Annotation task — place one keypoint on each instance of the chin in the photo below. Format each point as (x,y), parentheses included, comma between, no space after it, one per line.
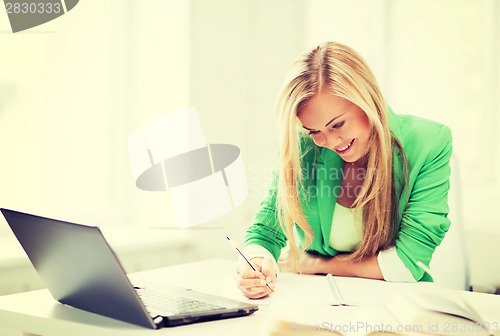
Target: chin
(357,158)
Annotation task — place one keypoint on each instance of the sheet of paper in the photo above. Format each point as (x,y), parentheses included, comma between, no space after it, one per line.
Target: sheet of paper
(360,291)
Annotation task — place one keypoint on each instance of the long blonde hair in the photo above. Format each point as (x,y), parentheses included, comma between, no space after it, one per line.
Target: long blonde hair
(340,70)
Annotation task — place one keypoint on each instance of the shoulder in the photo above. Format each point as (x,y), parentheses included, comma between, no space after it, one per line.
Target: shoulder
(421,130)
(423,139)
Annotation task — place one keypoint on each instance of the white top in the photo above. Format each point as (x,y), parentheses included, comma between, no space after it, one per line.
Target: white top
(347,229)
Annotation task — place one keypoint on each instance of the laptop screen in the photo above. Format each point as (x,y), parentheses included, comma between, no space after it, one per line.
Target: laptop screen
(78,266)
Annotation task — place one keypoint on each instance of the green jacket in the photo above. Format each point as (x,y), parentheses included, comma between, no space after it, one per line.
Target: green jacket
(422,219)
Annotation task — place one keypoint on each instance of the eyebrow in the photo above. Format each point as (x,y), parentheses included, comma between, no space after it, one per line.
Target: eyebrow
(326,125)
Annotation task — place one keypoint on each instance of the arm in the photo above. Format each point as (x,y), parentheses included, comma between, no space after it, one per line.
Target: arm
(310,264)
(367,268)
(424,222)
(263,244)
(266,231)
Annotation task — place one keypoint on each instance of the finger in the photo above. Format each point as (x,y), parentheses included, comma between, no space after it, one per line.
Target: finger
(249,274)
(248,283)
(269,269)
(257,263)
(244,283)
(252,290)
(255,295)
(244,267)
(256,292)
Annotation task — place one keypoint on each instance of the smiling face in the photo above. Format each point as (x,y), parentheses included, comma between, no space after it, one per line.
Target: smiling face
(337,124)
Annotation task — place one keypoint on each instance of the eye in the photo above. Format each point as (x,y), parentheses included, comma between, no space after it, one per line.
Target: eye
(313,132)
(338,125)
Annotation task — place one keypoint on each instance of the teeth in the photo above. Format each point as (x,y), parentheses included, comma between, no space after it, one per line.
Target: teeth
(344,148)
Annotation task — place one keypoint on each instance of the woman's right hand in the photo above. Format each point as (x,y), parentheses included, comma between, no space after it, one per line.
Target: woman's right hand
(253,283)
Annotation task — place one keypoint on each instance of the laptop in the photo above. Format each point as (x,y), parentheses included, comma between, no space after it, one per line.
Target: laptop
(81,270)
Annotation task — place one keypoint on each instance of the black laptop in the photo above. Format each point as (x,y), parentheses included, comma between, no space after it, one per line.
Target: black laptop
(81,270)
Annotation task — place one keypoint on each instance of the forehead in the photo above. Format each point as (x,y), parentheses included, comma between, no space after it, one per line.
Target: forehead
(321,108)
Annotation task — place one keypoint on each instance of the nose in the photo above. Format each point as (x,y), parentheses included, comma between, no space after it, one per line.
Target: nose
(331,141)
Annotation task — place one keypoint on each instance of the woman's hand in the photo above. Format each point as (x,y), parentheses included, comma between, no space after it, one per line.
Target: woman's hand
(253,283)
(307,264)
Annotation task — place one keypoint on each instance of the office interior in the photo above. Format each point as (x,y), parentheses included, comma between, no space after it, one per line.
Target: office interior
(74,89)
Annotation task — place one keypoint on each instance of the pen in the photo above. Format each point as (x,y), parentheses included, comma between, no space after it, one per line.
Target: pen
(243,256)
(335,290)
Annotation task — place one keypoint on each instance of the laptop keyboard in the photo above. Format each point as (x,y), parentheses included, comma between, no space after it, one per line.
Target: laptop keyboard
(159,303)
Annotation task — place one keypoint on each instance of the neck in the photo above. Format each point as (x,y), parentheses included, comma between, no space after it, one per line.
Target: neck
(361,163)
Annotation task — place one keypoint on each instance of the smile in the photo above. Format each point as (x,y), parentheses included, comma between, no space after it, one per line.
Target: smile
(344,149)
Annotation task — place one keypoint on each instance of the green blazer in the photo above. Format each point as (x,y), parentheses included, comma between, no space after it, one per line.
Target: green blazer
(422,217)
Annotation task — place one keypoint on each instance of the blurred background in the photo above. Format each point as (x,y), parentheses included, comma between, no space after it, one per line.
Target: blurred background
(73,90)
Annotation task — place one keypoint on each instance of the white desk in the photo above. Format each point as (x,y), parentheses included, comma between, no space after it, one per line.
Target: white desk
(37,313)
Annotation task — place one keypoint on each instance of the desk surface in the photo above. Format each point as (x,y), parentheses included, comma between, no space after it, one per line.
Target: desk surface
(296,297)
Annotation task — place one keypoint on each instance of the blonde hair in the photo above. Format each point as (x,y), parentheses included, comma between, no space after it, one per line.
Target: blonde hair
(340,70)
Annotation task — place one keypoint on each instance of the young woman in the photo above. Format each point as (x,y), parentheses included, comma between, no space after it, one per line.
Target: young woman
(359,191)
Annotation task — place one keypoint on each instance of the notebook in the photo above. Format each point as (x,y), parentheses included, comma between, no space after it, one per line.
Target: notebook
(81,270)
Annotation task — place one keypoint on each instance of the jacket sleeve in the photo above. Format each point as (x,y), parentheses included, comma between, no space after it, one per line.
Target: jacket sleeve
(424,222)
(266,230)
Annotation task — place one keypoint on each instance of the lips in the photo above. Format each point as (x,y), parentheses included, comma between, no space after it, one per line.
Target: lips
(344,149)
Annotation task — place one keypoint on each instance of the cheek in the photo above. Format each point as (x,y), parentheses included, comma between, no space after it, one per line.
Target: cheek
(363,130)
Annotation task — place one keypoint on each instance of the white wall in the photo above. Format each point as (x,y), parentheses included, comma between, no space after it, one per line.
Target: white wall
(73,90)
(76,88)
